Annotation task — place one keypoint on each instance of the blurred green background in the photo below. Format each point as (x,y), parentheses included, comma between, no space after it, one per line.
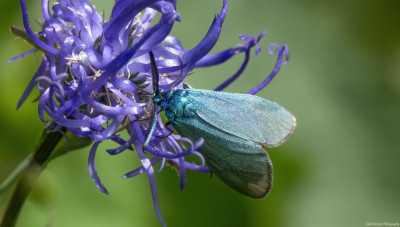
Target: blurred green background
(340,168)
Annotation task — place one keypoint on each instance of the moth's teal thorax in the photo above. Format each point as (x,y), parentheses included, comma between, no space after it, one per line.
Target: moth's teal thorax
(176,104)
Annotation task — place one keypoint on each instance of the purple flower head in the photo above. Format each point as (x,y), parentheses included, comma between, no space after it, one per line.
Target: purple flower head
(95,76)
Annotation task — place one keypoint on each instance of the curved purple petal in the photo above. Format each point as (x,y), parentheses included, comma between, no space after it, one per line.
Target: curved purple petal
(146,19)
(32,35)
(41,71)
(182,170)
(121,148)
(283,51)
(93,171)
(110,130)
(45,10)
(141,170)
(124,57)
(215,59)
(122,13)
(236,75)
(208,42)
(218,58)
(16,58)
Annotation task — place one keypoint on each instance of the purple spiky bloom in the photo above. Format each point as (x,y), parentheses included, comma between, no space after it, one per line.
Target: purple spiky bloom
(94,76)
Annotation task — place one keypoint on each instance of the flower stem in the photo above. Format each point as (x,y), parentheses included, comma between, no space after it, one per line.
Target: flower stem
(29,176)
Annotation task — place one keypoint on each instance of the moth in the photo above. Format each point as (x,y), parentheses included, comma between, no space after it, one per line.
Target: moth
(235,128)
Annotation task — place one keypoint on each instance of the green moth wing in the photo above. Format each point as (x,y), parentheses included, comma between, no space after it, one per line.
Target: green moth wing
(234,128)
(246,116)
(241,164)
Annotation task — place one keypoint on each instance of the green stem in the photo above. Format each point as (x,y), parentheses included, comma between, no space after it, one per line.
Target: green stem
(29,176)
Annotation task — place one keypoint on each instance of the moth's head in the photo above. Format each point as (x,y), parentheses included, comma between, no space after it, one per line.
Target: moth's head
(161,99)
(158,98)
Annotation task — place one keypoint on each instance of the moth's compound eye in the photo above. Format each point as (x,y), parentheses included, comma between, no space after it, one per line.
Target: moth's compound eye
(157,99)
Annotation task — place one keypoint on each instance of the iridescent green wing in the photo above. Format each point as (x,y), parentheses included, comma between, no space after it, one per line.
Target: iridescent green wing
(246,116)
(241,164)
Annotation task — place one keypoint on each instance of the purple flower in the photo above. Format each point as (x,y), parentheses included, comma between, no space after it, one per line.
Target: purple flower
(95,76)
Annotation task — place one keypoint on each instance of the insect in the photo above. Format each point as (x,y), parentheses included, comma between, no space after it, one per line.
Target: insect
(235,127)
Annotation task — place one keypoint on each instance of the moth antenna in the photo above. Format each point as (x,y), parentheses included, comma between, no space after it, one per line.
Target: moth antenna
(155,77)
(154,73)
(153,124)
